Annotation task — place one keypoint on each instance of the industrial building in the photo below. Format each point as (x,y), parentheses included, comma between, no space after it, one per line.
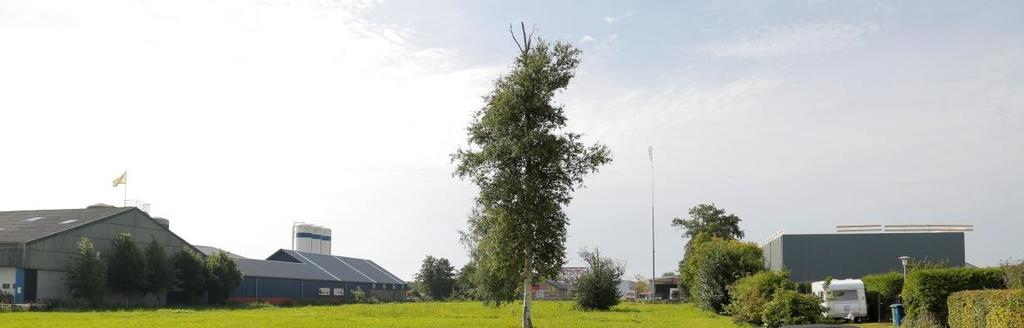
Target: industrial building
(854,253)
(35,246)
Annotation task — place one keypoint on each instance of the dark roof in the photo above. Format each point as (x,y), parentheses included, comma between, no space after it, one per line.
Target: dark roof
(312,266)
(26,226)
(210,251)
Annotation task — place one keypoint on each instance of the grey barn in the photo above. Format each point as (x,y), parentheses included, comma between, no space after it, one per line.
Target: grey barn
(814,257)
(289,276)
(35,246)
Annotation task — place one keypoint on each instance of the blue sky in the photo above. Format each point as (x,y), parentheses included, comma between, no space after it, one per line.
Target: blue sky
(244,116)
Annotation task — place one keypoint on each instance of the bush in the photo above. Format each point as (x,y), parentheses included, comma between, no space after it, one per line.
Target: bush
(986,309)
(359,296)
(598,287)
(789,307)
(751,294)
(927,290)
(1013,274)
(715,264)
(882,290)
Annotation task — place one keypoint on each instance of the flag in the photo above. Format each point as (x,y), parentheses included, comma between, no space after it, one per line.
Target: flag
(123,179)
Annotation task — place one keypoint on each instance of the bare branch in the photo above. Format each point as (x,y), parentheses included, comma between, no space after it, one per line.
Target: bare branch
(514,38)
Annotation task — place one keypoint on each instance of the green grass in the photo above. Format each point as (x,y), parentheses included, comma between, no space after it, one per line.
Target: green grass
(433,315)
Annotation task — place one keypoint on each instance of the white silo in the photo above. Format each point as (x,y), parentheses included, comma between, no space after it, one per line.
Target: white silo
(325,241)
(312,239)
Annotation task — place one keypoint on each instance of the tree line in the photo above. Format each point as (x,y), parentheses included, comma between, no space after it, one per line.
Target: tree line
(128,271)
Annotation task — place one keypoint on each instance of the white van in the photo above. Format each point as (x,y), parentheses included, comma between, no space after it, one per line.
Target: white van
(845,299)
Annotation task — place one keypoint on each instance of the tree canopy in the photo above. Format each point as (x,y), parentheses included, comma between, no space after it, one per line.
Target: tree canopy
(711,221)
(436,278)
(126,267)
(223,277)
(87,274)
(526,166)
(159,273)
(190,273)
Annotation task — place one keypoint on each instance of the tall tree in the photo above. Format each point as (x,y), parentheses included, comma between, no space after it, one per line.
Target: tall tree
(159,273)
(87,274)
(711,221)
(526,165)
(465,286)
(126,267)
(436,277)
(223,277)
(190,273)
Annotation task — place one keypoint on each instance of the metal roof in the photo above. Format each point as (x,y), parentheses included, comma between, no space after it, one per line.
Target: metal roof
(26,226)
(312,266)
(210,251)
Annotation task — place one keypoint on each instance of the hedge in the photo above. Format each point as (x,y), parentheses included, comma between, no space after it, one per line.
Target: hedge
(986,309)
(715,263)
(751,294)
(882,290)
(927,290)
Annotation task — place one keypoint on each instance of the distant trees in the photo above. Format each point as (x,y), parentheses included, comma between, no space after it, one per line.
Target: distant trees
(436,278)
(222,278)
(190,274)
(465,288)
(87,274)
(159,275)
(641,284)
(126,267)
(128,271)
(599,286)
(526,165)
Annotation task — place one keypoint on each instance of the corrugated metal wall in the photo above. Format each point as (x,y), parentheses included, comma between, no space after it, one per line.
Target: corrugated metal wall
(52,253)
(10,255)
(295,289)
(814,257)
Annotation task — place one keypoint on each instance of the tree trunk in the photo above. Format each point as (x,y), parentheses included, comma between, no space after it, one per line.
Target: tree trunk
(528,294)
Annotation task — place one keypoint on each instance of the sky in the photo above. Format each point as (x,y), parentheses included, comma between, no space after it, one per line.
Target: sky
(236,118)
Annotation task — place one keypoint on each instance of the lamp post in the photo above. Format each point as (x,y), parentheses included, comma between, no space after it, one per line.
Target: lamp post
(904,260)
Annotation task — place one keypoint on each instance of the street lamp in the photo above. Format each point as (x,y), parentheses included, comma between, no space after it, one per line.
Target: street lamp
(904,260)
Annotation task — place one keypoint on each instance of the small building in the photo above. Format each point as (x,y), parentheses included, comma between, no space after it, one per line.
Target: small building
(813,257)
(667,288)
(36,245)
(289,276)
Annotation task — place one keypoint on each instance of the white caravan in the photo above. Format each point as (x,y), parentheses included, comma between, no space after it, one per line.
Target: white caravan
(845,299)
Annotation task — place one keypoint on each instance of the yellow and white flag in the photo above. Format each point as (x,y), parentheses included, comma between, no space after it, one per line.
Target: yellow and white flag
(123,179)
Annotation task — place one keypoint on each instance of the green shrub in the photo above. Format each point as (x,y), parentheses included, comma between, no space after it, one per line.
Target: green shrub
(713,265)
(927,290)
(882,290)
(986,309)
(751,294)
(598,287)
(1013,274)
(789,307)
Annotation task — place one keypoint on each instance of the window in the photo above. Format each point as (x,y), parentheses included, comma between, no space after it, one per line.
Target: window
(374,286)
(68,221)
(7,286)
(844,295)
(34,219)
(339,292)
(325,291)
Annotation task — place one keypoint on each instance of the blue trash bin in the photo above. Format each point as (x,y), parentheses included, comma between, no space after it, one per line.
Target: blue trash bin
(897,314)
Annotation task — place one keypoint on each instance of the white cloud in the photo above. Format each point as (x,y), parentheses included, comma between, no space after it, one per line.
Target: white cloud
(615,19)
(792,39)
(586,38)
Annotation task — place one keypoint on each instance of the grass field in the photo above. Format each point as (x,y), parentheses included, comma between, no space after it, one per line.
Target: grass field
(433,315)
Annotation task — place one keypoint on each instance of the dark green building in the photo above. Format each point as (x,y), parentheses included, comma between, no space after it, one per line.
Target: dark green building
(854,255)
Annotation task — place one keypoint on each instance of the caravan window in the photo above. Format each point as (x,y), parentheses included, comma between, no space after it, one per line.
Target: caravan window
(844,295)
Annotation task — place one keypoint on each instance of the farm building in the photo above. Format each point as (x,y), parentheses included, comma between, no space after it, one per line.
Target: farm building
(813,257)
(667,288)
(293,276)
(35,246)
